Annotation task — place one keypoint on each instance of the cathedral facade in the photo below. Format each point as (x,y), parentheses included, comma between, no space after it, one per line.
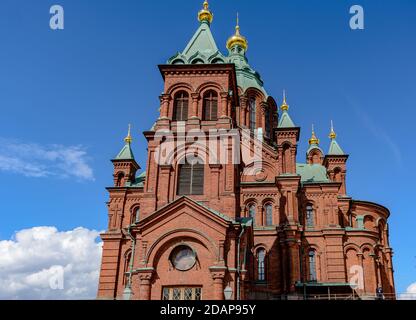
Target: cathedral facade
(223,210)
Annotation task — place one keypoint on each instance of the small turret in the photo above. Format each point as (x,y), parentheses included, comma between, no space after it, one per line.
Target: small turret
(125,167)
(314,155)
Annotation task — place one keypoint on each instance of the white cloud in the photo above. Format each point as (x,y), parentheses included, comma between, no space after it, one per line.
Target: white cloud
(34,160)
(44,263)
(410,293)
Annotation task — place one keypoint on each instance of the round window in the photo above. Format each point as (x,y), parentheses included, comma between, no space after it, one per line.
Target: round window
(183,258)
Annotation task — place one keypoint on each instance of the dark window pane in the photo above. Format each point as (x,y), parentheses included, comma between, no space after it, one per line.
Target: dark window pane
(210,106)
(261,254)
(269,215)
(191,179)
(180,105)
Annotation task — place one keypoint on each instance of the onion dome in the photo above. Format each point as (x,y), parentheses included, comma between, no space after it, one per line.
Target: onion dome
(313,140)
(237,39)
(205,15)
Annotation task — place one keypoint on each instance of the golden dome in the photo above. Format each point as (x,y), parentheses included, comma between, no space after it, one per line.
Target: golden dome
(284,106)
(332,135)
(205,14)
(128,139)
(237,39)
(313,139)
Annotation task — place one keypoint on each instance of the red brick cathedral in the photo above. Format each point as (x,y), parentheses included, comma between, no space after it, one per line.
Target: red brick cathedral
(223,209)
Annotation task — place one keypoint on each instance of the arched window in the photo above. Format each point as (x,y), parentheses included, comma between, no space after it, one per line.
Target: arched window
(310,223)
(268,209)
(267,121)
(286,158)
(252,106)
(127,261)
(261,272)
(137,215)
(337,175)
(252,212)
(180,106)
(120,179)
(312,265)
(191,178)
(210,106)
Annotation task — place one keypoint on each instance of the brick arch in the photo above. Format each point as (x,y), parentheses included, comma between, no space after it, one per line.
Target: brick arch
(372,219)
(210,85)
(257,93)
(250,201)
(156,249)
(352,246)
(178,87)
(368,246)
(268,200)
(250,169)
(260,246)
(176,155)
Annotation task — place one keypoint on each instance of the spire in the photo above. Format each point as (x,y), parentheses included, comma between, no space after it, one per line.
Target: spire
(284,105)
(205,15)
(237,39)
(128,139)
(334,148)
(313,140)
(332,135)
(126,153)
(285,120)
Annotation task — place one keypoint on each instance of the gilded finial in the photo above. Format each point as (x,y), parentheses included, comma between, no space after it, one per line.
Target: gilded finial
(128,139)
(284,105)
(332,135)
(313,139)
(237,38)
(205,14)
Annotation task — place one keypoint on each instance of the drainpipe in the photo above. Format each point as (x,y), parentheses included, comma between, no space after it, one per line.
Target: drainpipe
(238,261)
(127,290)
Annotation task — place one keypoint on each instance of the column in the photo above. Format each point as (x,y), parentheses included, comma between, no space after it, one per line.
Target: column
(284,265)
(145,276)
(215,177)
(194,109)
(218,274)
(243,115)
(164,107)
(224,104)
(164,183)
(294,264)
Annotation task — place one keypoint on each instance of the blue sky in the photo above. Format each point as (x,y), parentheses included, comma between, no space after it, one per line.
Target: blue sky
(67,96)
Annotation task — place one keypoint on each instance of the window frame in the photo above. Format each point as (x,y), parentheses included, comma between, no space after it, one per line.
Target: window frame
(268,215)
(183,98)
(261,264)
(200,167)
(210,102)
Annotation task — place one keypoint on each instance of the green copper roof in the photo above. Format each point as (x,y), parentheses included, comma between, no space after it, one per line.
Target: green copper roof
(246,76)
(200,49)
(285,121)
(126,153)
(203,49)
(335,149)
(139,182)
(311,173)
